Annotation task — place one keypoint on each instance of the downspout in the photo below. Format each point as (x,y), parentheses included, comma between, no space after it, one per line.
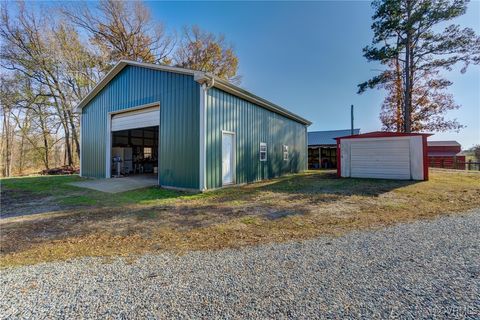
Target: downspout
(210,84)
(205,84)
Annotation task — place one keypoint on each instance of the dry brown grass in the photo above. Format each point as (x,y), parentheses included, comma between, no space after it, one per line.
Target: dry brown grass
(290,208)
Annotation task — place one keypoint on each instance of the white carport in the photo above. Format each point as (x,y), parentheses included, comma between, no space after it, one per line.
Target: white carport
(383,155)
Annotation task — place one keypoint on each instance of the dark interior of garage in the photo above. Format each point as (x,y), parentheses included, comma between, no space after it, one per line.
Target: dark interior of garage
(135,151)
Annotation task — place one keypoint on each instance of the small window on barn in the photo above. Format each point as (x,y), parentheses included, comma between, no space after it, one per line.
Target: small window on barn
(285,152)
(263,151)
(147,152)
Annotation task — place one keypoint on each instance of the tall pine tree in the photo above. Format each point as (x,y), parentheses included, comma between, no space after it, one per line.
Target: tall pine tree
(406,41)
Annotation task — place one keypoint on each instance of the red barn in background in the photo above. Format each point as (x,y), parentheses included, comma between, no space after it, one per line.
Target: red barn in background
(445,154)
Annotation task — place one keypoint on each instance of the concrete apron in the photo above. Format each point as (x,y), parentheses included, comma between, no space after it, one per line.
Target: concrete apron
(116,185)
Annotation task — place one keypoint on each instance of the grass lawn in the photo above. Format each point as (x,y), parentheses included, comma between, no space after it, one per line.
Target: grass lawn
(60,221)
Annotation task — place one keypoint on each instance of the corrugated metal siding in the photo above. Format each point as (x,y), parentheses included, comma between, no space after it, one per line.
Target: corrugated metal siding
(316,138)
(449,162)
(384,157)
(252,125)
(178,95)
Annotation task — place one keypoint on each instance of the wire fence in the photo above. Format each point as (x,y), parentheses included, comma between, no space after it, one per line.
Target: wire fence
(455,164)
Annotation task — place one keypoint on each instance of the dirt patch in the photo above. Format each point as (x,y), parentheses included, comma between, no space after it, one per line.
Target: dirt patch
(21,202)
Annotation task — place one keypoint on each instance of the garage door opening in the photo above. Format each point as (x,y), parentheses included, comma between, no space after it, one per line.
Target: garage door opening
(135,152)
(134,143)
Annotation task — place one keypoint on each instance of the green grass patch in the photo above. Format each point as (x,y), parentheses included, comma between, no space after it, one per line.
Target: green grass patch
(250,220)
(41,184)
(150,196)
(81,200)
(147,215)
(61,192)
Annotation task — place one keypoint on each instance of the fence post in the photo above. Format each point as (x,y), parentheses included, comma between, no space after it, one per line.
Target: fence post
(469,164)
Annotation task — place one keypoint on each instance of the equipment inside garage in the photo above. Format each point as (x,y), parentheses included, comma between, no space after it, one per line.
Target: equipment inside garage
(134,146)
(383,155)
(135,151)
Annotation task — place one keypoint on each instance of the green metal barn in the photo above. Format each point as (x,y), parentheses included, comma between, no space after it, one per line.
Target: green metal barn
(188,128)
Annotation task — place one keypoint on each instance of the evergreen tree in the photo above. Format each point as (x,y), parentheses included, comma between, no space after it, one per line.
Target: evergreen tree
(404,31)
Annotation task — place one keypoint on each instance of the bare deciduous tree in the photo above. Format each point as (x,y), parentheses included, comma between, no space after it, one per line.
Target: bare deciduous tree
(123,30)
(200,50)
(28,50)
(429,106)
(49,63)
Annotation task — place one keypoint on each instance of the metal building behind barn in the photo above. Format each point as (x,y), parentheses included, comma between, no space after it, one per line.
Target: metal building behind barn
(191,129)
(322,147)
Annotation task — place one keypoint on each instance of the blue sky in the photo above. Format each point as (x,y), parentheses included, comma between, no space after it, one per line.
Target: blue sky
(307,57)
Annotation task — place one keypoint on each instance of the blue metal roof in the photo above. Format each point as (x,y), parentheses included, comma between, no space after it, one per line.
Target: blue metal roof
(316,138)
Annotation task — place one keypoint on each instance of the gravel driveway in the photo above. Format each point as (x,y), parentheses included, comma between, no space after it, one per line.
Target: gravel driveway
(427,269)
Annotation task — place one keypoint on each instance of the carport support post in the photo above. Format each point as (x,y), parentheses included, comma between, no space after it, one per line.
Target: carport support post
(319,158)
(339,158)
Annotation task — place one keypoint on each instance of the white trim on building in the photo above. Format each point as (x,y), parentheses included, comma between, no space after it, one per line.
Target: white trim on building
(200,77)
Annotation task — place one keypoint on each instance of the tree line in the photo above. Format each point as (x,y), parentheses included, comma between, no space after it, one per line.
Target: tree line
(52,56)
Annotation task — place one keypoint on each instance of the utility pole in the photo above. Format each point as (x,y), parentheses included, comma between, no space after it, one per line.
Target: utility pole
(351,119)
(408,72)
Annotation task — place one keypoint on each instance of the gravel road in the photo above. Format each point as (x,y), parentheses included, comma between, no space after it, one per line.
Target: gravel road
(426,269)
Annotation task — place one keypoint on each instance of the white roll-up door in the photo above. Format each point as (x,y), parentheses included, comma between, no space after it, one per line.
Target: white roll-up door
(141,118)
(380,158)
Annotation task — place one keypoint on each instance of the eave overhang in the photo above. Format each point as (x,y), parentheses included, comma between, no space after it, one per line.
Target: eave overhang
(200,77)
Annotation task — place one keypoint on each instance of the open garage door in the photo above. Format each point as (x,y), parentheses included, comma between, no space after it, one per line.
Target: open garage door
(384,159)
(141,118)
(133,142)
